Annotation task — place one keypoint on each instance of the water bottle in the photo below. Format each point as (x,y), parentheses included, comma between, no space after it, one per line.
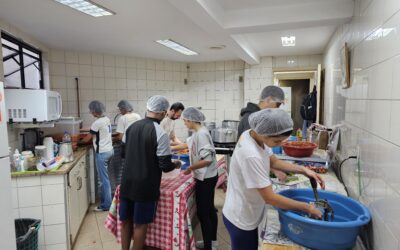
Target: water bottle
(66,137)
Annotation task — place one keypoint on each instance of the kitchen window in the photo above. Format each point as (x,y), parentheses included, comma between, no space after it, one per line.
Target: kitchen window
(22,64)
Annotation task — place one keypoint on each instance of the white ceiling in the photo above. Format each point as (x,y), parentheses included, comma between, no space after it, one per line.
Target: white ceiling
(249,29)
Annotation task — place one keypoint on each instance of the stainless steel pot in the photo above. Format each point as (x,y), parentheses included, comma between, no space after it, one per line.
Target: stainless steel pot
(210,126)
(224,135)
(230,124)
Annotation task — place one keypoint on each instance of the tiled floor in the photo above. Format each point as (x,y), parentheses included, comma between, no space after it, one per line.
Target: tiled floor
(94,236)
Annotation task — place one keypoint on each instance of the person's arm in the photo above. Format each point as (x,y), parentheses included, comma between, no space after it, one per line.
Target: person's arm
(197,165)
(280,201)
(289,167)
(164,155)
(180,147)
(119,136)
(86,139)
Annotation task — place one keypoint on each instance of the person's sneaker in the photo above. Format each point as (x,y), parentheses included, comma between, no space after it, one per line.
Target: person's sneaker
(200,244)
(99,209)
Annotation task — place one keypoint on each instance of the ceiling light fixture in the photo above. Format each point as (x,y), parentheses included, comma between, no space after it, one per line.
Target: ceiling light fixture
(177,47)
(288,41)
(87,7)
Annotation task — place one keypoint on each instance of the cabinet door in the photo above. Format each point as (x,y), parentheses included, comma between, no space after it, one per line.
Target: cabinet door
(73,199)
(82,192)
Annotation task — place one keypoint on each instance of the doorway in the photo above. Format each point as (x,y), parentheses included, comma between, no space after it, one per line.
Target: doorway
(299,89)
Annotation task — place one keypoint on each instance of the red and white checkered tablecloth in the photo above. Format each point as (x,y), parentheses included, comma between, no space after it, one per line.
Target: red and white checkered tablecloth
(172,226)
(168,231)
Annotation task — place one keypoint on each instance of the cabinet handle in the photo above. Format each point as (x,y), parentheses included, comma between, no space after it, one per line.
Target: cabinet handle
(79,179)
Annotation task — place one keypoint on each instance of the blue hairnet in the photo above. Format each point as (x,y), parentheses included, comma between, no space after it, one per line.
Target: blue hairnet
(193,114)
(97,107)
(271,122)
(125,105)
(157,104)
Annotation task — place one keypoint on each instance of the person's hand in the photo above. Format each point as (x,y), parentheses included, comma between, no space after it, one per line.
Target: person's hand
(187,171)
(317,177)
(313,212)
(280,175)
(178,164)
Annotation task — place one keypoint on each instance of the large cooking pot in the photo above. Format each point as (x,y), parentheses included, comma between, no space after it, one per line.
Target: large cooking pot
(210,126)
(224,135)
(230,124)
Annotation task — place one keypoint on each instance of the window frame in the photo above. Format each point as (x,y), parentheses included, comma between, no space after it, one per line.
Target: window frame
(20,53)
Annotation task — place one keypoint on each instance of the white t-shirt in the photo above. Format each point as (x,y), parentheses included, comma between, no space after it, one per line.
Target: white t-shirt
(249,170)
(169,127)
(101,130)
(125,121)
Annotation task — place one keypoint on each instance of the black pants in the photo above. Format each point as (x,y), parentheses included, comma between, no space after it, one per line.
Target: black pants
(206,212)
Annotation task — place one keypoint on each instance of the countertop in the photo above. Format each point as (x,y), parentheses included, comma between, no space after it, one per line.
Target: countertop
(63,169)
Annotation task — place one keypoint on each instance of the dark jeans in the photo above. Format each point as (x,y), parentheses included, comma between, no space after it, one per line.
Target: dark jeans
(205,192)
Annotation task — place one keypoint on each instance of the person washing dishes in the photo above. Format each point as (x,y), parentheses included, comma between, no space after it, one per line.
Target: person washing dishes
(204,168)
(168,123)
(102,143)
(271,97)
(141,178)
(127,118)
(249,184)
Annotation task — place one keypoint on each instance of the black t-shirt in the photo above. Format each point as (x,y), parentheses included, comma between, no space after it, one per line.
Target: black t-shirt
(147,154)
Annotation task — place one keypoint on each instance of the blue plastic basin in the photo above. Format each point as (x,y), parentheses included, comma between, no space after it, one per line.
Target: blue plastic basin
(182,157)
(341,233)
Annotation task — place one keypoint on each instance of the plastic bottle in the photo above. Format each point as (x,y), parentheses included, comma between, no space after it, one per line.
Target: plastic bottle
(299,134)
(16,160)
(66,137)
(21,163)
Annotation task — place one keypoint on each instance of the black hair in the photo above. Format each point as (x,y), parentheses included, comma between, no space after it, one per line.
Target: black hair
(177,106)
(287,134)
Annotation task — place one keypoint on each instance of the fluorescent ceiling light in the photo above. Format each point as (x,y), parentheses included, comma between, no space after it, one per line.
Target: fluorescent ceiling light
(87,7)
(178,47)
(288,41)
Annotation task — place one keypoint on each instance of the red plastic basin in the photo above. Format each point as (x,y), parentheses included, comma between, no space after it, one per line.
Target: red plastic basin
(299,148)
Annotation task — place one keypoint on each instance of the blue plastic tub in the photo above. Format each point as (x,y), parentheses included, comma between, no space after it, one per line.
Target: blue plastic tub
(341,233)
(184,158)
(277,150)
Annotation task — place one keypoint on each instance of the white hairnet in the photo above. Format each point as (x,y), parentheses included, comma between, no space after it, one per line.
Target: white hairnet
(125,105)
(97,107)
(157,104)
(275,92)
(193,114)
(271,122)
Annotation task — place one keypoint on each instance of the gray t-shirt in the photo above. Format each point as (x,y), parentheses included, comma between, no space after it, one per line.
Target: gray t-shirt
(201,147)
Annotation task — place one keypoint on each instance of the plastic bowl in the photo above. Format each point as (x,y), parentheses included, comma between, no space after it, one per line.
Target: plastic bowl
(299,148)
(341,233)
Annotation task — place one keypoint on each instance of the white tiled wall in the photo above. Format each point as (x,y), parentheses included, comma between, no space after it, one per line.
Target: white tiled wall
(110,78)
(215,87)
(370,110)
(296,62)
(42,197)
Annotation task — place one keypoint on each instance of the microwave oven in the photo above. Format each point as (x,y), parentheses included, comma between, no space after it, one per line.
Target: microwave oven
(32,105)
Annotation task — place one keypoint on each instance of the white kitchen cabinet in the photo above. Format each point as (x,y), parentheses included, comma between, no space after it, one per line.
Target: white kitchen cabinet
(58,198)
(77,196)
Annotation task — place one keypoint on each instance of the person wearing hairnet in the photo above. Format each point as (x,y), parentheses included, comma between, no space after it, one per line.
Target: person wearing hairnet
(102,143)
(249,185)
(271,97)
(204,168)
(127,118)
(147,155)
